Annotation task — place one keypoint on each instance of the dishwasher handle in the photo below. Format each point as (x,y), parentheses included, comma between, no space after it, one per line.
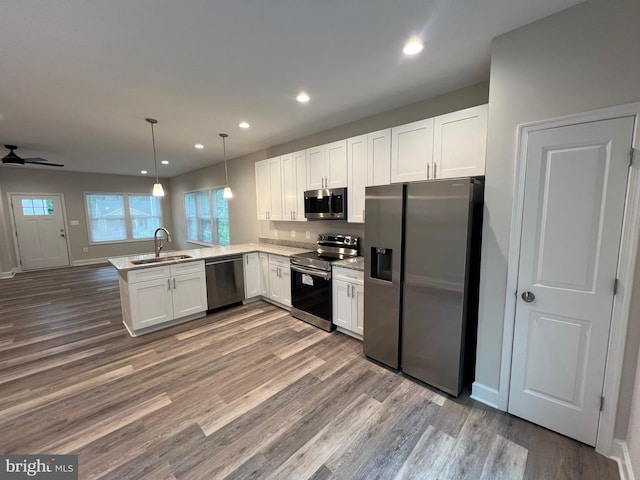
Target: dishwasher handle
(224,260)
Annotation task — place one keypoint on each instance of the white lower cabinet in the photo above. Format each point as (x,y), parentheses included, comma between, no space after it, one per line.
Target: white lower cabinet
(348,301)
(280,280)
(264,274)
(252,275)
(155,295)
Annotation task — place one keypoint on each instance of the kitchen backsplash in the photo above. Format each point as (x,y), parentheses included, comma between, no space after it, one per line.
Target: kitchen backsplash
(287,243)
(283,230)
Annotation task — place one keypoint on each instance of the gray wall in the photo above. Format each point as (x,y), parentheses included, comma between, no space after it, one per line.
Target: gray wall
(581,59)
(73,186)
(7,256)
(244,227)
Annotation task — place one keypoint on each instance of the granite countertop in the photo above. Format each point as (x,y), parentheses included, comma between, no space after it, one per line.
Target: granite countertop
(124,263)
(355,263)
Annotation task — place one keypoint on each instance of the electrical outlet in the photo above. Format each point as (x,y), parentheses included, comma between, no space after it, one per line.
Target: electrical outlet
(85,250)
(293,234)
(307,234)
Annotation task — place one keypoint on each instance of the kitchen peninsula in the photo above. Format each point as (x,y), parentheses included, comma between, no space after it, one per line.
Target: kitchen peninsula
(158,292)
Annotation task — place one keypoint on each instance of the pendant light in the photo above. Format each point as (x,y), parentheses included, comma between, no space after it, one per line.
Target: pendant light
(158,191)
(227,191)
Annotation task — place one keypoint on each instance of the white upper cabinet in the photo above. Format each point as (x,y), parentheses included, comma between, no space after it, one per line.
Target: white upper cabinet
(412,151)
(294,181)
(275,189)
(460,143)
(357,174)
(315,168)
(336,164)
(447,146)
(379,158)
(269,189)
(369,163)
(327,166)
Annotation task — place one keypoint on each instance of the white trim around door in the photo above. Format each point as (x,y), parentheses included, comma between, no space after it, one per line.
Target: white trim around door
(10,196)
(626,263)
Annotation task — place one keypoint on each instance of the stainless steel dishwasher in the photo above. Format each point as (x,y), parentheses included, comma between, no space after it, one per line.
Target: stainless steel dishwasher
(225,281)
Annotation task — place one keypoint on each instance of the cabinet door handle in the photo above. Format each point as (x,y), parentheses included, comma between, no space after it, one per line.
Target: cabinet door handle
(247,258)
(435,166)
(348,290)
(168,284)
(427,171)
(174,283)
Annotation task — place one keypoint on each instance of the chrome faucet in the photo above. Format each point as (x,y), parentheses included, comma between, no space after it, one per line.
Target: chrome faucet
(157,242)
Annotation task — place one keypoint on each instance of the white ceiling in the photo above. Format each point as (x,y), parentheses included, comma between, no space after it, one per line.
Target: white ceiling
(79,77)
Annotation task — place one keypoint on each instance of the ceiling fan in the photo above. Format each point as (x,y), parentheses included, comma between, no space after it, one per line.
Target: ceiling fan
(12,159)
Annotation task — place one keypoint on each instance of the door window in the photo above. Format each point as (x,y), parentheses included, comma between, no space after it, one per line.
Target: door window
(37,206)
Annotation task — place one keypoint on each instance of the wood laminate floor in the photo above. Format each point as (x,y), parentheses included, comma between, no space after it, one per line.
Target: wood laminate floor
(249,392)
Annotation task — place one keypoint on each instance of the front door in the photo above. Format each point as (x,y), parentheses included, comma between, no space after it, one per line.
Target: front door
(40,229)
(574,195)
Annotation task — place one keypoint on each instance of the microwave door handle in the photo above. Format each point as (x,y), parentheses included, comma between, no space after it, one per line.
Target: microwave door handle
(331,203)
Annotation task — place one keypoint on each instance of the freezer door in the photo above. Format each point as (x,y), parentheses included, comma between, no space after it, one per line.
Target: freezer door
(437,241)
(383,269)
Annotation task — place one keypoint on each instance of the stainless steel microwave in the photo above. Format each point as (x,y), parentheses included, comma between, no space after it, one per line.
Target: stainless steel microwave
(326,204)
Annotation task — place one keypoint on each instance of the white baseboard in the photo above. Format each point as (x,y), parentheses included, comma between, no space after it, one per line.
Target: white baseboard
(487,395)
(88,261)
(620,453)
(10,274)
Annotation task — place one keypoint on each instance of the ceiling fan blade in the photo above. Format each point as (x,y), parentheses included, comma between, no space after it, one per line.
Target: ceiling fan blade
(41,161)
(12,160)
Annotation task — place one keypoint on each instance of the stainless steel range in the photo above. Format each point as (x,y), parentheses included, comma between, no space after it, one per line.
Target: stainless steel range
(311,279)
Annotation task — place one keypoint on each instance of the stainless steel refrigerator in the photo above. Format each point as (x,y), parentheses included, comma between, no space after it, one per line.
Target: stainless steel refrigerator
(422,255)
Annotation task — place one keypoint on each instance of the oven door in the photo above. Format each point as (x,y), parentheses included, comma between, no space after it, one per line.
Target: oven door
(311,296)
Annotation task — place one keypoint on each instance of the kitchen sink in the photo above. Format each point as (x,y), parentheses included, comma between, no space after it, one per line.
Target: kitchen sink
(168,258)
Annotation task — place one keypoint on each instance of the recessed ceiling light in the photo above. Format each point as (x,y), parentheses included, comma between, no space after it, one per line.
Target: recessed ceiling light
(199,146)
(302,97)
(165,162)
(412,47)
(144,172)
(244,125)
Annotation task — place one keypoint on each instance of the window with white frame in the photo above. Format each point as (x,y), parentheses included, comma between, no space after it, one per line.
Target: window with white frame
(207,216)
(121,217)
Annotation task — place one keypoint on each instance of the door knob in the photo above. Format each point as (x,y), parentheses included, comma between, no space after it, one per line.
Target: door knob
(528,297)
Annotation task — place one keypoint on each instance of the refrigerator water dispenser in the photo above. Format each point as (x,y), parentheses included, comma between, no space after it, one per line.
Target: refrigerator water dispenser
(381,263)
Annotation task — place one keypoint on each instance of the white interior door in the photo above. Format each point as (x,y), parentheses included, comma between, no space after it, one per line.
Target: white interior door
(40,229)
(574,196)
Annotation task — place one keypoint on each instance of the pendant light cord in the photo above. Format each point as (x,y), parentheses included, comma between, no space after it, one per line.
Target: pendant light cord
(155,162)
(224,154)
